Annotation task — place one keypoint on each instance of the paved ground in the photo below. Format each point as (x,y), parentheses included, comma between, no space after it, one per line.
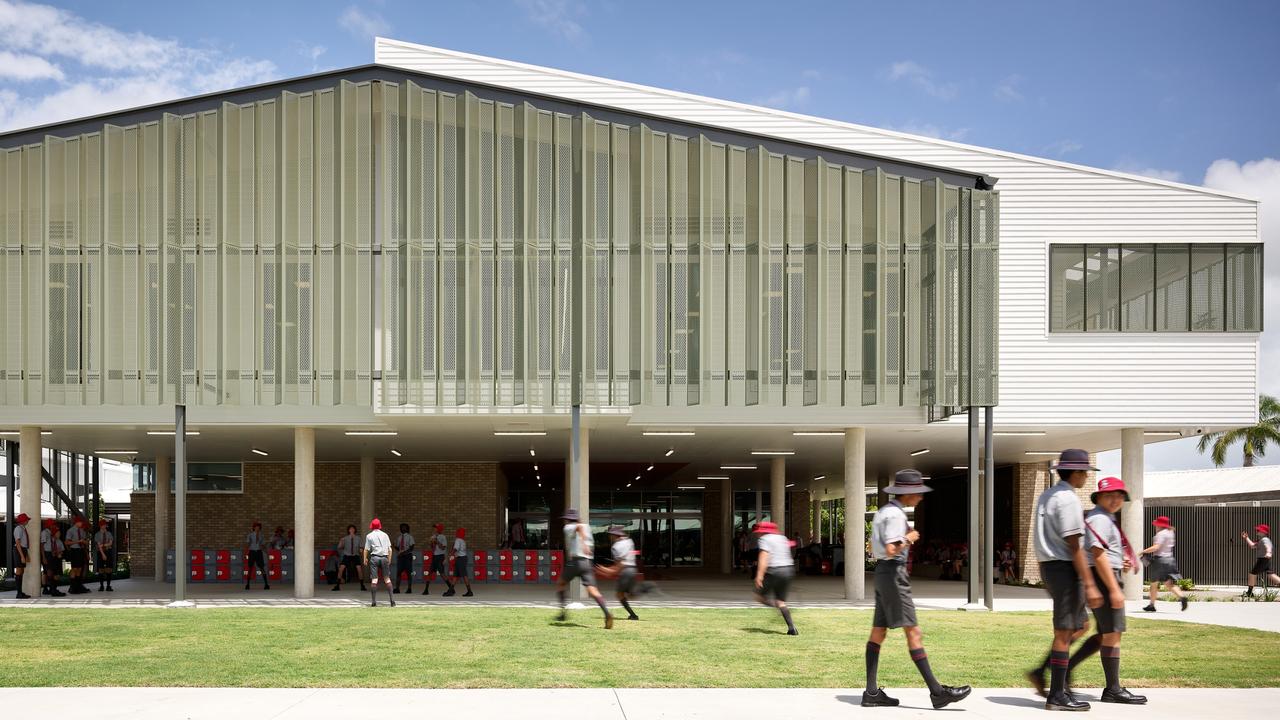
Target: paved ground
(694,590)
(646,704)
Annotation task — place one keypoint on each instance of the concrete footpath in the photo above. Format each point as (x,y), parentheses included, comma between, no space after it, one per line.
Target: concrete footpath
(603,704)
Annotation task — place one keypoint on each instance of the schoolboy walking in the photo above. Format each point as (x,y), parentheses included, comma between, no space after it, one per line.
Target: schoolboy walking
(255,555)
(439,546)
(891,540)
(377,555)
(775,569)
(1164,566)
(105,553)
(1263,551)
(579,550)
(459,556)
(404,556)
(624,556)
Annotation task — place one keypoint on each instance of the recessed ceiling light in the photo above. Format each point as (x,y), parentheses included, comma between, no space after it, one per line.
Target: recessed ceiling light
(518,433)
(691,487)
(395,452)
(670,452)
(17,432)
(925,477)
(818,433)
(773,452)
(532,453)
(921,451)
(820,477)
(1163,433)
(713,477)
(1050,453)
(737,467)
(672,433)
(372,432)
(535,468)
(115,452)
(791,484)
(628,484)
(539,484)
(171,433)
(1019,433)
(258,452)
(959,467)
(637,477)
(649,469)
(537,477)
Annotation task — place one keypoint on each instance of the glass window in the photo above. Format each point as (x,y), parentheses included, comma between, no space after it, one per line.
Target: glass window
(1137,287)
(1208,272)
(1173,270)
(601,503)
(686,544)
(215,477)
(628,502)
(686,502)
(1066,288)
(1244,288)
(1102,288)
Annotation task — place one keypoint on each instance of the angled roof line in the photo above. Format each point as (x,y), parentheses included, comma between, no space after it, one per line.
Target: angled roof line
(808,118)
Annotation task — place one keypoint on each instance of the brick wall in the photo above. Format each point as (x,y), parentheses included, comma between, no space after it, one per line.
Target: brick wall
(1029,480)
(421,494)
(799,515)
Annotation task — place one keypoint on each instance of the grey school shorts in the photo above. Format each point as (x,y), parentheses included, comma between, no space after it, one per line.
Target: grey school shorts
(1108,619)
(580,568)
(1067,591)
(379,564)
(894,606)
(627,579)
(777,581)
(1164,568)
(460,567)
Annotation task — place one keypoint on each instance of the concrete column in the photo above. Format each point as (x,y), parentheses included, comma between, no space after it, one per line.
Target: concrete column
(163,480)
(367,485)
(579,490)
(1132,446)
(304,512)
(778,493)
(855,531)
(726,526)
(30,465)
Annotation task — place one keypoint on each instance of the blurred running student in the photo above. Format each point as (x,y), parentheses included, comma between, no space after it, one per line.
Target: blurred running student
(1263,551)
(1059,541)
(439,546)
(459,556)
(104,542)
(349,549)
(1109,556)
(76,555)
(255,555)
(624,556)
(21,551)
(404,556)
(891,540)
(377,555)
(579,550)
(775,569)
(1164,567)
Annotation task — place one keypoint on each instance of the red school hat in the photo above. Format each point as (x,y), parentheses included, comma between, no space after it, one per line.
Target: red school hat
(22,519)
(461,532)
(1162,522)
(766,527)
(1109,484)
(375,524)
(1263,528)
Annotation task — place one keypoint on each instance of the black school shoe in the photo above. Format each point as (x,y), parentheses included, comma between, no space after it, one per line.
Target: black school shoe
(1122,696)
(1149,608)
(949,695)
(1036,678)
(468,594)
(22,596)
(1064,701)
(1184,604)
(878,699)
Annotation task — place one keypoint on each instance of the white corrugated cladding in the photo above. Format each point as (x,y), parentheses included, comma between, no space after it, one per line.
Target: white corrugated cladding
(1122,379)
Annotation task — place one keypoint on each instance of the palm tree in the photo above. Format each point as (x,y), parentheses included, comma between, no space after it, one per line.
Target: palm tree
(1255,438)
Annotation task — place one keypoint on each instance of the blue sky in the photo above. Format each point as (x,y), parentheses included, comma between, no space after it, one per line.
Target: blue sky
(1186,91)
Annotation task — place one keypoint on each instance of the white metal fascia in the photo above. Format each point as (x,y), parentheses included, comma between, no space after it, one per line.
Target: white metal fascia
(562,83)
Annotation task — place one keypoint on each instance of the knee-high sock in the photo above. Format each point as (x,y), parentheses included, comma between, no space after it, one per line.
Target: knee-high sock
(921,659)
(1086,650)
(627,607)
(1111,666)
(786,615)
(873,664)
(560,597)
(1058,660)
(603,608)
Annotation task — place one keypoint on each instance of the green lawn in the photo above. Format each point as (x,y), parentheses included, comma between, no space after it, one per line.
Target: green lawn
(519,647)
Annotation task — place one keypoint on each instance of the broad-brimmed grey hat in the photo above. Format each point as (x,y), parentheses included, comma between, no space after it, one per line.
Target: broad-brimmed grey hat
(908,482)
(617,530)
(570,514)
(1074,459)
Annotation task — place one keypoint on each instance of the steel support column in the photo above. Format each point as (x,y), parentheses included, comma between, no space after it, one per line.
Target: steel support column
(181,559)
(988,509)
(975,511)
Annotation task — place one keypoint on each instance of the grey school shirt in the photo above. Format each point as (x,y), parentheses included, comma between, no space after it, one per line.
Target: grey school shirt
(254,541)
(1059,515)
(377,543)
(624,551)
(887,527)
(1263,547)
(46,540)
(76,536)
(20,537)
(439,543)
(459,547)
(779,549)
(350,544)
(104,539)
(1108,538)
(1164,542)
(574,547)
(404,543)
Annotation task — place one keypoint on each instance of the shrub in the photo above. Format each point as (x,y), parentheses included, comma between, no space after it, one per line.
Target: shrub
(1186,584)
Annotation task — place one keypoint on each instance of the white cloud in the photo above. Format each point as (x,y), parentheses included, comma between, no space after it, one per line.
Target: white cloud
(1063,147)
(921,77)
(556,16)
(364,26)
(1007,89)
(15,66)
(787,99)
(87,68)
(1133,167)
(931,130)
(1260,179)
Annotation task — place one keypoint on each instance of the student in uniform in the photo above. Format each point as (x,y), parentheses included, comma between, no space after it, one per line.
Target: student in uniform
(891,540)
(349,549)
(459,557)
(255,555)
(439,545)
(21,551)
(377,555)
(624,556)
(105,554)
(579,551)
(404,556)
(775,569)
(1059,542)
(76,540)
(1263,551)
(1009,563)
(50,559)
(278,540)
(1109,557)
(1164,566)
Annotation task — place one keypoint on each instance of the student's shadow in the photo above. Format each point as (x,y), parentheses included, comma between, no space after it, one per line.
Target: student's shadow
(762,631)
(1036,702)
(565,623)
(857,700)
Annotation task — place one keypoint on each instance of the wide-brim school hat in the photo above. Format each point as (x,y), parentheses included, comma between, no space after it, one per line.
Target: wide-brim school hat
(1074,459)
(1263,528)
(1162,522)
(908,482)
(375,524)
(570,514)
(461,532)
(22,519)
(617,530)
(1109,484)
(766,527)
